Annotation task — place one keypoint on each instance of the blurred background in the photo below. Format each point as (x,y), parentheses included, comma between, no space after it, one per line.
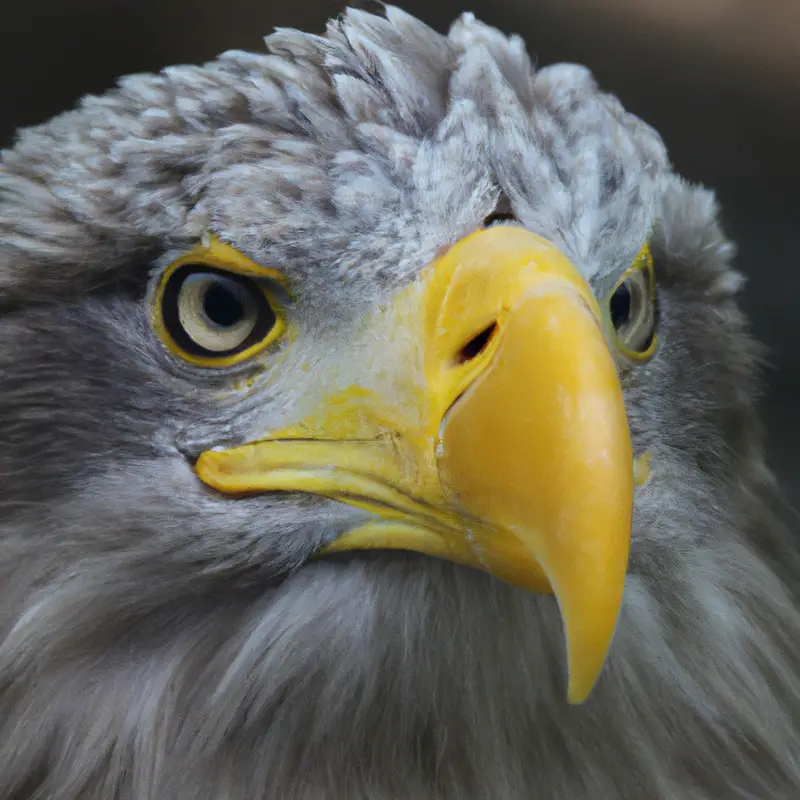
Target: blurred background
(720,79)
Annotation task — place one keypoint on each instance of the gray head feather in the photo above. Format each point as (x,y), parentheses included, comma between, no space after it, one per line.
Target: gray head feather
(157,641)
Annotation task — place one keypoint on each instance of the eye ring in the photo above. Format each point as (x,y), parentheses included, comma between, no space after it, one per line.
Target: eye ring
(632,310)
(213,317)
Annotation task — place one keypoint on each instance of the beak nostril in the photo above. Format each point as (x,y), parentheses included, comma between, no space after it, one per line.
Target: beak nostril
(477,344)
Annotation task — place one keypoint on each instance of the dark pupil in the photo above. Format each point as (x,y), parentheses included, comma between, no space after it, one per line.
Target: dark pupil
(222,306)
(620,305)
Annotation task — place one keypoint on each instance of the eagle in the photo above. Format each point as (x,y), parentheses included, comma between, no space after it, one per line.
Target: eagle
(378,422)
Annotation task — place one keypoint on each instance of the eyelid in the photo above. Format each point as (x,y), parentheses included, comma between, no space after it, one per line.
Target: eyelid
(212,251)
(642,263)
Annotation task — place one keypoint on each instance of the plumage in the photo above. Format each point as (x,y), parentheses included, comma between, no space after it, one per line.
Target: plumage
(160,640)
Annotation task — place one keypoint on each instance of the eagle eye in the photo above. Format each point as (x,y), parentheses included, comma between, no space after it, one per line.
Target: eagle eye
(214,314)
(210,314)
(632,309)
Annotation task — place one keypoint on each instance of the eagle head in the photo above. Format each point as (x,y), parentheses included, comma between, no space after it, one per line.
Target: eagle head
(378,421)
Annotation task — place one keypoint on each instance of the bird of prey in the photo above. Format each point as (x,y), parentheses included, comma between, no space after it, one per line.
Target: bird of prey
(378,422)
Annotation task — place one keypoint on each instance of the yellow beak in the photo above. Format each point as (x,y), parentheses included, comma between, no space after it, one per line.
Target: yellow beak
(496,436)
